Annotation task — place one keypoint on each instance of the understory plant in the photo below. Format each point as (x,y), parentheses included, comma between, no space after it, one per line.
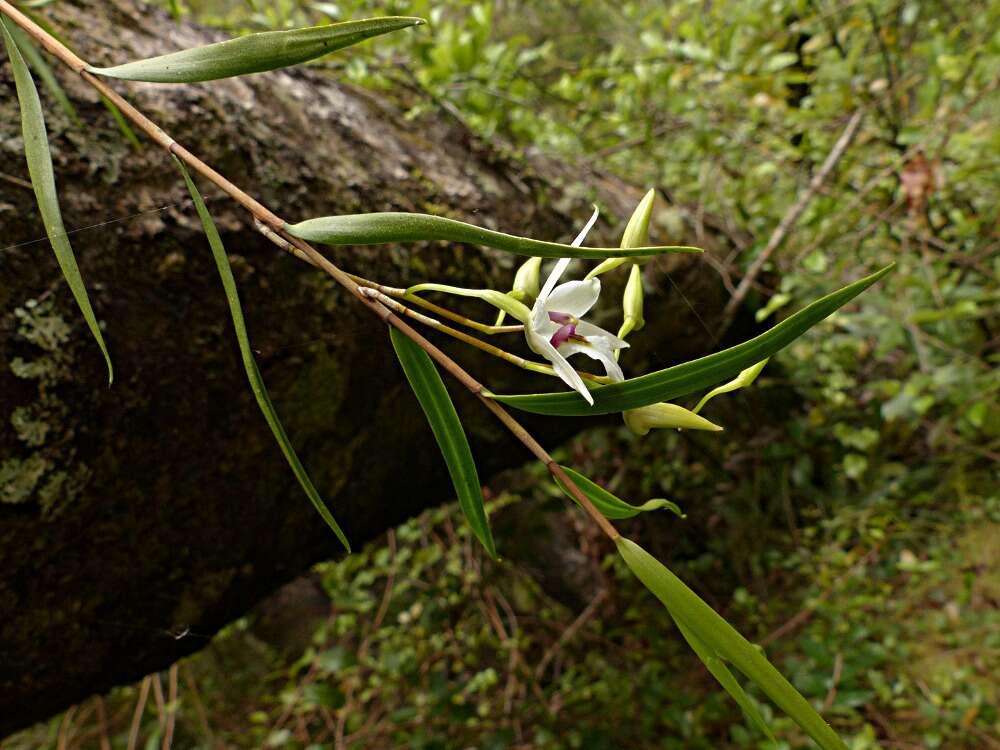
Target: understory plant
(550,314)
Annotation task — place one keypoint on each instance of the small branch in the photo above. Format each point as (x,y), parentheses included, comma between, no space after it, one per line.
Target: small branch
(140,708)
(15,181)
(831,695)
(570,631)
(780,234)
(168,732)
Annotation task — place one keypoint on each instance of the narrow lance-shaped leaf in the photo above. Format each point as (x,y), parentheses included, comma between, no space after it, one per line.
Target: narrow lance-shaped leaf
(721,672)
(690,611)
(254,53)
(436,403)
(42,69)
(393,226)
(36,150)
(253,373)
(680,380)
(609,505)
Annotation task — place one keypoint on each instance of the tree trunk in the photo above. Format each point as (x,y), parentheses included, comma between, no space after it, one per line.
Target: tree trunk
(137,520)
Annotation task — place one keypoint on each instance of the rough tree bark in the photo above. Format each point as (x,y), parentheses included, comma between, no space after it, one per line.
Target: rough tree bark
(133,515)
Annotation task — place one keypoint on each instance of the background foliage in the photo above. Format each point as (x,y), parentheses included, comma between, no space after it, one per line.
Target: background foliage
(849,518)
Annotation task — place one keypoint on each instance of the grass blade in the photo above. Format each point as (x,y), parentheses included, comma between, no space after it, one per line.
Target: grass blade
(393,226)
(253,373)
(254,53)
(611,506)
(691,612)
(680,380)
(436,403)
(36,150)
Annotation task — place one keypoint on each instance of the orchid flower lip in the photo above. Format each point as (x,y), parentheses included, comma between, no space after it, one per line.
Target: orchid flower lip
(564,334)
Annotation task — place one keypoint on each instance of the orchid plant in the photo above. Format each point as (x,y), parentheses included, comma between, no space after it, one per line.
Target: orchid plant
(553,325)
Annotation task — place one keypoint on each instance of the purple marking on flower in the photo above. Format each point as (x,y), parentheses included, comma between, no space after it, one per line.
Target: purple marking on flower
(561,318)
(564,334)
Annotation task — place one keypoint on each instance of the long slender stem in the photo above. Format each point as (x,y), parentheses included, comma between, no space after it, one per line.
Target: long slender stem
(275,226)
(444,312)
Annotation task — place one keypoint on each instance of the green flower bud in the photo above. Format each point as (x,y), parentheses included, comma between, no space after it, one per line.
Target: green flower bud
(632,305)
(743,380)
(526,283)
(636,233)
(645,418)
(637,230)
(632,301)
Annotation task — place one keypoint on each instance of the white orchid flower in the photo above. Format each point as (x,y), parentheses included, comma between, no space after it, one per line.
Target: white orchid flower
(554,329)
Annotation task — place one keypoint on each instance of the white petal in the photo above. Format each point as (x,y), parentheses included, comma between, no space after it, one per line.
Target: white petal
(586,230)
(574,297)
(602,354)
(562,368)
(562,263)
(590,331)
(557,271)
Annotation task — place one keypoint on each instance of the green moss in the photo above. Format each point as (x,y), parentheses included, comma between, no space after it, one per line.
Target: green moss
(47,472)
(18,478)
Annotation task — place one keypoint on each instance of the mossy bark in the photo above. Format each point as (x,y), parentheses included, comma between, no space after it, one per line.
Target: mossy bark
(137,520)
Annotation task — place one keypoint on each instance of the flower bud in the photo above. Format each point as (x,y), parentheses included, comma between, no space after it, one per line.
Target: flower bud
(636,233)
(743,380)
(642,420)
(632,305)
(637,230)
(632,301)
(526,281)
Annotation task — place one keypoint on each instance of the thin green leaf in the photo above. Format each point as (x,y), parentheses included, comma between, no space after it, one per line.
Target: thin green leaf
(254,53)
(38,64)
(253,373)
(717,635)
(611,506)
(121,122)
(686,378)
(447,428)
(36,150)
(393,226)
(721,672)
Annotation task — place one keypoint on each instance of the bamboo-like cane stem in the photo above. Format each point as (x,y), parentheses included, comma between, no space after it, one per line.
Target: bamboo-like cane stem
(274,226)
